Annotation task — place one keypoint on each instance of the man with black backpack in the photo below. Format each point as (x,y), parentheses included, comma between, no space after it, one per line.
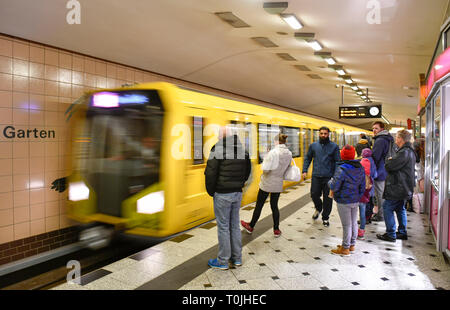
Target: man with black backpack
(382,149)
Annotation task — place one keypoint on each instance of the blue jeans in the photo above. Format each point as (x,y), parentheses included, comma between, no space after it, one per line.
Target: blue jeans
(362,215)
(226,209)
(397,206)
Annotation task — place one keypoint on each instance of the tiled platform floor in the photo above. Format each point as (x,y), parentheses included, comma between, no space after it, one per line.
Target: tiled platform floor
(299,260)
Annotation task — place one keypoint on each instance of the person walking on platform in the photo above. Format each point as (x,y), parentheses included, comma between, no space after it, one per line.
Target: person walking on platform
(274,167)
(382,147)
(348,186)
(325,154)
(371,173)
(227,169)
(399,187)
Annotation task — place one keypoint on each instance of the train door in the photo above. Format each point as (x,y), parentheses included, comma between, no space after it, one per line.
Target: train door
(198,205)
(246,132)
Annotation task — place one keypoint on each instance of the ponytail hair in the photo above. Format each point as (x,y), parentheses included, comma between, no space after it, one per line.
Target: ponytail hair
(281,138)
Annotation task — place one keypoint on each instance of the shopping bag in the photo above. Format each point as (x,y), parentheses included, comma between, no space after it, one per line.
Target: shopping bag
(292,173)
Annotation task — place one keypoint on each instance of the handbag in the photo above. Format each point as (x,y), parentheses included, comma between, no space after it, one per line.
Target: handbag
(292,173)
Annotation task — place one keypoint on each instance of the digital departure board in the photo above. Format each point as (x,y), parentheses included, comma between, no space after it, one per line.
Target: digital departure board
(365,111)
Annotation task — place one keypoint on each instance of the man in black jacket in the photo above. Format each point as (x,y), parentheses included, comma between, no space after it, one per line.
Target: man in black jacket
(399,187)
(227,170)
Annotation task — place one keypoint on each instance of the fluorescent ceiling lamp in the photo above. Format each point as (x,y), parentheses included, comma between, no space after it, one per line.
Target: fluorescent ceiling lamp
(364,97)
(349,81)
(360,92)
(314,44)
(354,87)
(340,72)
(292,21)
(385,119)
(330,60)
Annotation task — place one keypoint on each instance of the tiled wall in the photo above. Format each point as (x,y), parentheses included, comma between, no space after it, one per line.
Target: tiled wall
(37,84)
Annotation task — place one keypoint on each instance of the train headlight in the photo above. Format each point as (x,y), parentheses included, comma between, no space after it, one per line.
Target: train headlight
(78,191)
(151,203)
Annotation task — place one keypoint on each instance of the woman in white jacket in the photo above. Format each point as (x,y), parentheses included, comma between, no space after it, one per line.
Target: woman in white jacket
(274,167)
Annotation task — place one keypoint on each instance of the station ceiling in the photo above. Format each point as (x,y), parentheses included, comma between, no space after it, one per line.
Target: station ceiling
(383,50)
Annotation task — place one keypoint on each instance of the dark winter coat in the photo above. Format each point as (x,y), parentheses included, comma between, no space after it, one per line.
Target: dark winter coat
(381,148)
(362,144)
(227,170)
(326,155)
(400,174)
(349,182)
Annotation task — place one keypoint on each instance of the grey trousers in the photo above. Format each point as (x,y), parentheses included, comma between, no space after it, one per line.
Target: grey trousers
(349,219)
(379,189)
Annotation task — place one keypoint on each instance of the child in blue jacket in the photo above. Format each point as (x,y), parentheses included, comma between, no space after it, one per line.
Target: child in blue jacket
(348,185)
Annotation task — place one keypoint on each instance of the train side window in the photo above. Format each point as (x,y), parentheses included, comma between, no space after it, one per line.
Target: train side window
(293,140)
(266,135)
(244,132)
(197,139)
(315,135)
(306,132)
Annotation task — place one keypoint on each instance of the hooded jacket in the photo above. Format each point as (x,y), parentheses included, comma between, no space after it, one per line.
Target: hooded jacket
(325,155)
(349,182)
(362,144)
(381,148)
(400,174)
(227,168)
(274,167)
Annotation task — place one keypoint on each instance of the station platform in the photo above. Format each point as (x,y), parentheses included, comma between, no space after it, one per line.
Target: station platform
(298,260)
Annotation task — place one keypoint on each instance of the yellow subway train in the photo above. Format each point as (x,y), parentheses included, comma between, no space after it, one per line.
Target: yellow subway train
(139,154)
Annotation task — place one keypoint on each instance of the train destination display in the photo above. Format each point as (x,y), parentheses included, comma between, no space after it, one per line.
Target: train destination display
(371,111)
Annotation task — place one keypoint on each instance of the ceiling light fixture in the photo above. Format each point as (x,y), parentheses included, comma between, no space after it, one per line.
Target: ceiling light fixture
(232,19)
(385,119)
(264,41)
(339,69)
(309,38)
(275,7)
(292,21)
(315,45)
(347,79)
(327,57)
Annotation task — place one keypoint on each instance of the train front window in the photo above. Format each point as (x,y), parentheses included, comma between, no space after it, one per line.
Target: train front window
(123,155)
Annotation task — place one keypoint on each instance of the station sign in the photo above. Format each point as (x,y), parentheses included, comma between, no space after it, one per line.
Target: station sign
(365,111)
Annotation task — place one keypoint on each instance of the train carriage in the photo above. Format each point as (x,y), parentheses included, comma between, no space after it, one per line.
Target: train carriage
(140,153)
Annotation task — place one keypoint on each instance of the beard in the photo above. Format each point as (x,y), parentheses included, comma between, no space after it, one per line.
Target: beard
(324,140)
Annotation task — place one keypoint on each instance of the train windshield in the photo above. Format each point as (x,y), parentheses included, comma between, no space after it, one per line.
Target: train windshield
(122,156)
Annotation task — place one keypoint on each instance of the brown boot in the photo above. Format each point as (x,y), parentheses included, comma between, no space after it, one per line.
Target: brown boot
(351,249)
(341,251)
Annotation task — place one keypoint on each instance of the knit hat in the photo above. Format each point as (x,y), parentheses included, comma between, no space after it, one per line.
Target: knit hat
(348,153)
(366,153)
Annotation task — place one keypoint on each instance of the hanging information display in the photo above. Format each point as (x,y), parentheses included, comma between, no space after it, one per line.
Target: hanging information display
(366,111)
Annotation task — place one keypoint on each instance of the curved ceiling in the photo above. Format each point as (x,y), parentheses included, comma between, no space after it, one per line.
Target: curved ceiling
(186,40)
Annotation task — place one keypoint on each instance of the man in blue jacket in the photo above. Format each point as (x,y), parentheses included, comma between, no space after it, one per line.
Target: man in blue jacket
(326,155)
(382,148)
